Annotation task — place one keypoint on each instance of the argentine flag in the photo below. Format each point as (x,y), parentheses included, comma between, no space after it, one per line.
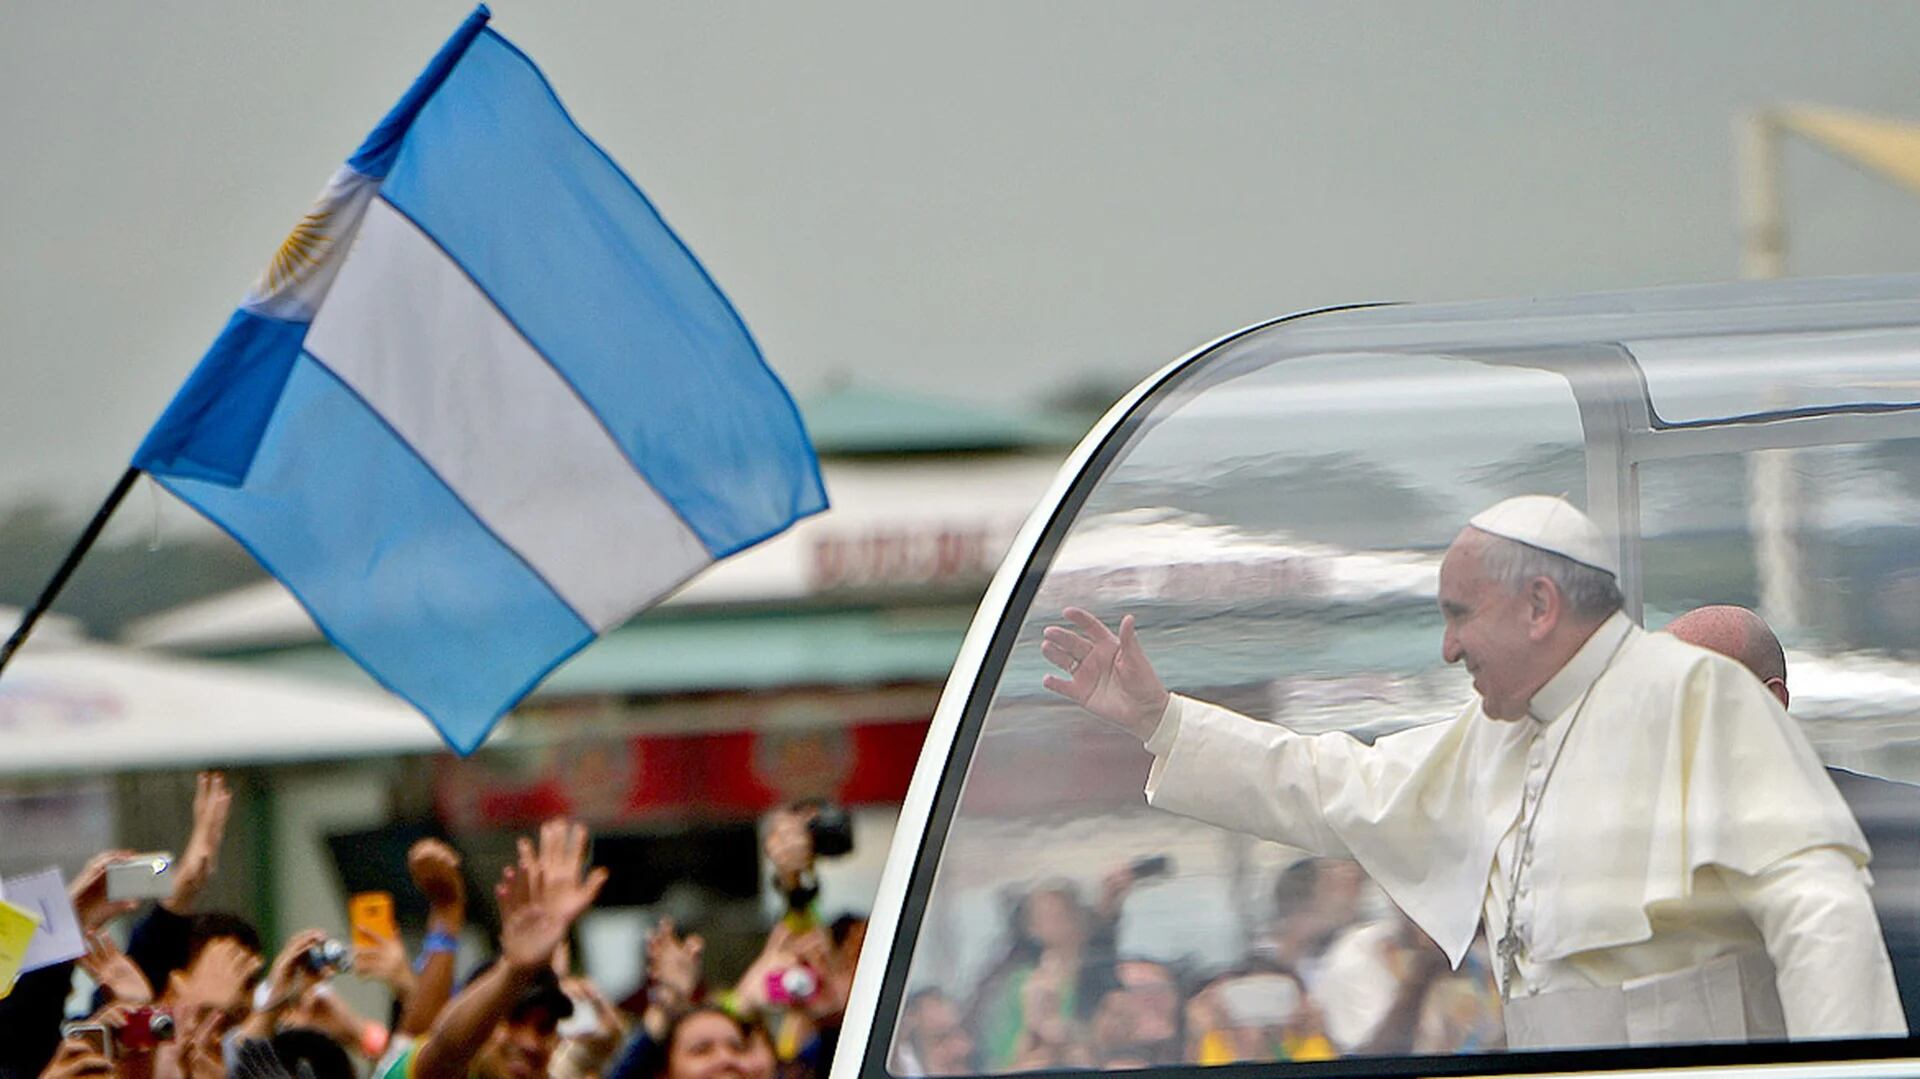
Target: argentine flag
(483,405)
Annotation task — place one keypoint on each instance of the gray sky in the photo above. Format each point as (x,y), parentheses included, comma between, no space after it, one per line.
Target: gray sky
(982,200)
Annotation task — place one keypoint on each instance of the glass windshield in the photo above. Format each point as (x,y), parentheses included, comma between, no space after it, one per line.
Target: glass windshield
(1275,531)
(1277,537)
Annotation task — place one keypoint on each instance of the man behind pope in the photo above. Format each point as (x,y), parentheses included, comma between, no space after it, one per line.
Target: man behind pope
(1651,844)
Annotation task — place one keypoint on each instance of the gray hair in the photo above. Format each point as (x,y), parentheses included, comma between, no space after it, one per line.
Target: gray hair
(1589,592)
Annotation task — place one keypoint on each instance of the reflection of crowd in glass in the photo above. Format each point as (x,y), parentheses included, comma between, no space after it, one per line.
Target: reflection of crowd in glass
(1327,979)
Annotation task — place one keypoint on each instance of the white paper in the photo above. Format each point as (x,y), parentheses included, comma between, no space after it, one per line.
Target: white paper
(44,894)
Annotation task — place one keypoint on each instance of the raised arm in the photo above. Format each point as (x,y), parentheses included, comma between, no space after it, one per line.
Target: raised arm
(540,899)
(435,868)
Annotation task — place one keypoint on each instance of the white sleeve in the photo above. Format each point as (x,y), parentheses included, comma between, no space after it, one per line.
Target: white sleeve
(1829,958)
(1218,766)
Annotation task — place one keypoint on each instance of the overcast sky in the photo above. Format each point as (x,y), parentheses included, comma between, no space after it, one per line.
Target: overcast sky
(979,200)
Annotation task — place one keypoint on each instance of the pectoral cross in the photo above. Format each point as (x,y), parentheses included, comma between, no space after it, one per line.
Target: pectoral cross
(1508,948)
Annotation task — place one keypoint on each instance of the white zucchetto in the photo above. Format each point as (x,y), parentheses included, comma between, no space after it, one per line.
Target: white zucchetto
(1551,524)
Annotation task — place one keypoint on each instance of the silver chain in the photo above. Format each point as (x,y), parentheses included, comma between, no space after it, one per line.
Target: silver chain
(1510,944)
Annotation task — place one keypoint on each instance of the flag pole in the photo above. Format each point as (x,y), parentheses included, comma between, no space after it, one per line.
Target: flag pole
(72,562)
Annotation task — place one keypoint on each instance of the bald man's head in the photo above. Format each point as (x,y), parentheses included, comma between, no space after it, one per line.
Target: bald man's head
(1740,634)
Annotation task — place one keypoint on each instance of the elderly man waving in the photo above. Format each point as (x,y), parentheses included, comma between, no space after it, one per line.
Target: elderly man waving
(1649,841)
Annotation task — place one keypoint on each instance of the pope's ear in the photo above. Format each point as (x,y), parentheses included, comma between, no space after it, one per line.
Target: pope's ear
(1544,607)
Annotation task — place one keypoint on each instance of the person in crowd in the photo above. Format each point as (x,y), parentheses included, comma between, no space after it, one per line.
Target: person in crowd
(1255,1015)
(1513,814)
(933,1039)
(1138,1023)
(502,1025)
(1314,900)
(1030,1005)
(706,1042)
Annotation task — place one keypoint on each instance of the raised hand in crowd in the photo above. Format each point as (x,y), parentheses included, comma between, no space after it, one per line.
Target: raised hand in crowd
(200,1052)
(1108,673)
(88,892)
(673,974)
(195,867)
(545,894)
(287,978)
(120,976)
(385,961)
(78,1059)
(435,868)
(789,847)
(216,983)
(587,1052)
(540,899)
(752,992)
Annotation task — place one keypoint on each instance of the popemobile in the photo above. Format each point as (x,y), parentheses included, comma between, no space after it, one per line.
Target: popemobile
(1394,690)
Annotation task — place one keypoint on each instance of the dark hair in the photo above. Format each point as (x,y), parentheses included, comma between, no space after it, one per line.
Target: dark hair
(308,1054)
(1295,885)
(203,929)
(842,927)
(543,992)
(656,1057)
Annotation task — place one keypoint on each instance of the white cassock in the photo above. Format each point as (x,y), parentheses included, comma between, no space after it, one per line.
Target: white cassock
(1692,875)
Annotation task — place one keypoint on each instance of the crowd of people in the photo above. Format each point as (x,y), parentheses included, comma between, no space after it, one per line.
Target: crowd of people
(1327,979)
(197,994)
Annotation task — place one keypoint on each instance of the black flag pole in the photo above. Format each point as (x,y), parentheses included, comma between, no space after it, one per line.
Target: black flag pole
(72,562)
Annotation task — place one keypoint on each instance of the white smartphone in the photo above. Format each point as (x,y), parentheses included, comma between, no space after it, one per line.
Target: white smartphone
(143,876)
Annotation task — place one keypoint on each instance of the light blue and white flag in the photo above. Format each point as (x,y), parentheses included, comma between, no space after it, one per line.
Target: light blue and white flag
(483,405)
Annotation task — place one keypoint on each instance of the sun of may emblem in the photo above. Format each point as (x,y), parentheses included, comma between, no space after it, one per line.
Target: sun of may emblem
(297,277)
(304,249)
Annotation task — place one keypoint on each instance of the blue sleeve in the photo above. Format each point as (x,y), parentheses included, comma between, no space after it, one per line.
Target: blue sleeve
(636,1060)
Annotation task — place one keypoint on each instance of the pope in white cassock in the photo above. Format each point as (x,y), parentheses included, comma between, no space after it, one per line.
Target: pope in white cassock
(1654,850)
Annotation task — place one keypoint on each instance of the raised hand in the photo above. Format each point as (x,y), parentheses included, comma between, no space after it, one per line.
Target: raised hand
(1107,673)
(201,1055)
(435,868)
(776,954)
(217,981)
(107,964)
(89,892)
(789,845)
(610,1028)
(289,976)
(543,896)
(385,961)
(211,803)
(673,965)
(75,1059)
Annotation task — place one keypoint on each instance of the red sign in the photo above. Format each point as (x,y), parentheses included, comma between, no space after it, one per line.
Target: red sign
(729,775)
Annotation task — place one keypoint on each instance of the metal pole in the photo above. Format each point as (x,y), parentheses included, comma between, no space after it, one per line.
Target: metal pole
(72,562)
(1776,506)
(1763,244)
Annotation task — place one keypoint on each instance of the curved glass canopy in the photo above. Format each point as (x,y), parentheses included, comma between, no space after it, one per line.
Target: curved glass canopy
(1273,513)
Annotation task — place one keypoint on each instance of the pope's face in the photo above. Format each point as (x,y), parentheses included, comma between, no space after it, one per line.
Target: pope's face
(1487,630)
